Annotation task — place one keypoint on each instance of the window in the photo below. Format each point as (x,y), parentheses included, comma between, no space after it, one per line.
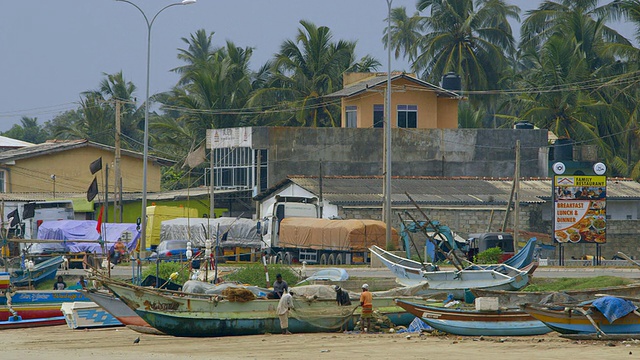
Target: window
(3,181)
(352,116)
(378,116)
(408,116)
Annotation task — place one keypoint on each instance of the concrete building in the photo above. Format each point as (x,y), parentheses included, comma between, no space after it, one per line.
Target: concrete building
(271,154)
(415,104)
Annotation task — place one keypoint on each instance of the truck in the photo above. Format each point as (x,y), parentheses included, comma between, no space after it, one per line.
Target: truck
(292,231)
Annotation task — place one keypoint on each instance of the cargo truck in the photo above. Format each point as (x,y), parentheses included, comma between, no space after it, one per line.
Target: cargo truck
(292,231)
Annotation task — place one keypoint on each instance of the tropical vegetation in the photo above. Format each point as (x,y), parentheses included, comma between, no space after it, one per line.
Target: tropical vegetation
(569,72)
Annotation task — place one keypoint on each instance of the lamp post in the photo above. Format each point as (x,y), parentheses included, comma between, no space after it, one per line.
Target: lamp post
(143,216)
(387,135)
(53,178)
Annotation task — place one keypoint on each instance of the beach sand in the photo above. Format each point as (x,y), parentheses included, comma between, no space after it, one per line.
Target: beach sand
(62,343)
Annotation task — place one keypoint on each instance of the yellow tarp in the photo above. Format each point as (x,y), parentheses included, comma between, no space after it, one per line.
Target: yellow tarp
(336,235)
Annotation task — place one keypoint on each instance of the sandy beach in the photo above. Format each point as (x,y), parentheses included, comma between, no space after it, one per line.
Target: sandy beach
(62,343)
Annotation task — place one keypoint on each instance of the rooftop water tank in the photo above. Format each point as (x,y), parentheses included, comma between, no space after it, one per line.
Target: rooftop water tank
(523,125)
(452,82)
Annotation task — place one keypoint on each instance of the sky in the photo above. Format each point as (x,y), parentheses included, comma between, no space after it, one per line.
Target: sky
(52,51)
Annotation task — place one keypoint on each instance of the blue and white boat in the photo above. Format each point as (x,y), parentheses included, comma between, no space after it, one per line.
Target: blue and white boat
(87,314)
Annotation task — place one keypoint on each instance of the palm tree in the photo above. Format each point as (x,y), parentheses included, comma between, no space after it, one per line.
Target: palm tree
(29,131)
(405,33)
(469,39)
(304,71)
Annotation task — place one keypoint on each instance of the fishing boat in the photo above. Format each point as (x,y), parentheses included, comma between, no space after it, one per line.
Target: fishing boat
(41,272)
(412,273)
(516,298)
(198,315)
(87,314)
(604,316)
(471,322)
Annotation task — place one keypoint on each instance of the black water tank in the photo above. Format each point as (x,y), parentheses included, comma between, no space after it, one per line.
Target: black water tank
(563,149)
(524,125)
(451,82)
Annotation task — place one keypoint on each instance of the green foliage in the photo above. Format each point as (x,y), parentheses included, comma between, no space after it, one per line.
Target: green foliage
(489,256)
(253,274)
(165,269)
(563,284)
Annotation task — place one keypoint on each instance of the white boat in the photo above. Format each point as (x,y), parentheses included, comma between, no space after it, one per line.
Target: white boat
(411,273)
(80,315)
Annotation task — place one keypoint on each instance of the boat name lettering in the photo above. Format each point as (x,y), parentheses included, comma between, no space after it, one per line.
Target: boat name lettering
(430,315)
(164,306)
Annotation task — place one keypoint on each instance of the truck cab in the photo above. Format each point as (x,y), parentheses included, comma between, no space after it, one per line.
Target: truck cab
(285,206)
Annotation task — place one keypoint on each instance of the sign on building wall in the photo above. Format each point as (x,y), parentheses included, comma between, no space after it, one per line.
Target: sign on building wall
(580,209)
(228,138)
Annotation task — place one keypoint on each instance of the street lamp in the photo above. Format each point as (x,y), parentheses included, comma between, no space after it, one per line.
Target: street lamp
(387,133)
(143,216)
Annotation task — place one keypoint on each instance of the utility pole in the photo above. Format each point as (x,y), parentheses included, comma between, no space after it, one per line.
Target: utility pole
(516,207)
(117,187)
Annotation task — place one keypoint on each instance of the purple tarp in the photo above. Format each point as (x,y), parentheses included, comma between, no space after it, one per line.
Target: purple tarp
(72,231)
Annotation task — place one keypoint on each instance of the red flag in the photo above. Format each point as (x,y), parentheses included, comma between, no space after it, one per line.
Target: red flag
(99,226)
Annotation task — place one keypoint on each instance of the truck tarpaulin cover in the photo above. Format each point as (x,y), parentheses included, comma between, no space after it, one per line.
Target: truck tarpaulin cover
(71,231)
(239,232)
(336,235)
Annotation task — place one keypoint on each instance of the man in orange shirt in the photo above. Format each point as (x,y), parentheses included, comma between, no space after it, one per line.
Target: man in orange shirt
(366,301)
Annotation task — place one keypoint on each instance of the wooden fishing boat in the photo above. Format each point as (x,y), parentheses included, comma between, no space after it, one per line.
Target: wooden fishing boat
(87,314)
(470,322)
(36,304)
(41,272)
(516,298)
(412,273)
(18,322)
(182,314)
(588,319)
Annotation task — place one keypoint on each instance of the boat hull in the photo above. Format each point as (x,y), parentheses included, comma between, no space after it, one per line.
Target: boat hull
(38,304)
(82,315)
(573,322)
(44,271)
(29,323)
(477,323)
(117,308)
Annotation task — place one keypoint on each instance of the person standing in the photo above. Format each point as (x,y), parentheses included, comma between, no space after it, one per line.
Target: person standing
(60,284)
(366,301)
(342,299)
(284,306)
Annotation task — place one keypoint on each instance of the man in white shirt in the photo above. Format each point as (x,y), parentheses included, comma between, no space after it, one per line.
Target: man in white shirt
(284,305)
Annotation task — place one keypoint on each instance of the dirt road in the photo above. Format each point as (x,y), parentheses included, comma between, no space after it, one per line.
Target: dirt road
(62,343)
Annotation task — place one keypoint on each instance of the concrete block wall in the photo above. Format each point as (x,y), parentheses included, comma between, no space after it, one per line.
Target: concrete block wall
(415,152)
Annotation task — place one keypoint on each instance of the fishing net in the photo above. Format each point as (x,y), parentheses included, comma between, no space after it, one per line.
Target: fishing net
(330,317)
(238,295)
(379,322)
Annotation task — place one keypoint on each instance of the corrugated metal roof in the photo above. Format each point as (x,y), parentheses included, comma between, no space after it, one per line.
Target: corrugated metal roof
(7,142)
(64,145)
(374,81)
(342,190)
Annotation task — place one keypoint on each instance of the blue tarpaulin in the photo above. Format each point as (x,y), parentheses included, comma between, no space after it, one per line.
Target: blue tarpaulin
(70,232)
(416,326)
(613,308)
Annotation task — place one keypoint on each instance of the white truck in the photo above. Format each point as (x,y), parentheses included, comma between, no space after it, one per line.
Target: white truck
(292,231)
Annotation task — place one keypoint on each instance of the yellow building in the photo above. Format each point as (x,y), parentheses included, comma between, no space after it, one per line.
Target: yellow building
(63,167)
(414,103)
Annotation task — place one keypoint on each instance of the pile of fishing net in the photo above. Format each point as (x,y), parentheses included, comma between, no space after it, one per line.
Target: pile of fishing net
(238,294)
(379,322)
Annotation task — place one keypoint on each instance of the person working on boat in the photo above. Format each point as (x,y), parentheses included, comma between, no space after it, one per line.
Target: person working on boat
(284,305)
(342,299)
(366,301)
(60,284)
(279,288)
(119,249)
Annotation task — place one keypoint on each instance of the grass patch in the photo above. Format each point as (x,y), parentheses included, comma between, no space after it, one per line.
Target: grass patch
(166,269)
(539,284)
(253,274)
